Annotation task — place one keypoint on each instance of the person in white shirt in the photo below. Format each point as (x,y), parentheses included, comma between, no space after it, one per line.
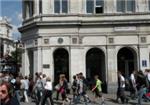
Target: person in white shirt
(133,89)
(121,88)
(26,87)
(47,91)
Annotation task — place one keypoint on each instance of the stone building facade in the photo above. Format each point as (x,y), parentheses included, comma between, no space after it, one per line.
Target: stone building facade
(89,36)
(6,41)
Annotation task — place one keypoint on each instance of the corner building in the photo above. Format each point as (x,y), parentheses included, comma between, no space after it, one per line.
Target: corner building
(89,36)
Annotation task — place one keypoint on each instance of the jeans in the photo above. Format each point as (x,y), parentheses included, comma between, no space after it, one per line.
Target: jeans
(17,94)
(47,94)
(84,97)
(140,95)
(26,95)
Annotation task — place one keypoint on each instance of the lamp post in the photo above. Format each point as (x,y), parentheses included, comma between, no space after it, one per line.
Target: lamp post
(16,56)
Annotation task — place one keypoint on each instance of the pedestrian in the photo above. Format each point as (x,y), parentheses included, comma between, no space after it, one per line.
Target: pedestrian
(141,85)
(26,83)
(17,86)
(98,89)
(82,88)
(74,87)
(133,89)
(38,88)
(47,91)
(6,95)
(121,88)
(63,88)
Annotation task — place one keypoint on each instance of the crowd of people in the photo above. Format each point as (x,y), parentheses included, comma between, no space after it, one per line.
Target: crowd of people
(13,90)
(138,84)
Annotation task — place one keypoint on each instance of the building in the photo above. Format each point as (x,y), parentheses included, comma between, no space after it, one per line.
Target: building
(6,41)
(6,46)
(89,36)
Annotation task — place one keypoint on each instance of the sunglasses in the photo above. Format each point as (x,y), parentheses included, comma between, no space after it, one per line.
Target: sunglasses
(3,91)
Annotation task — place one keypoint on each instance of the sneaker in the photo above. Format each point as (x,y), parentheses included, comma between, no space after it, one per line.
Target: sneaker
(103,103)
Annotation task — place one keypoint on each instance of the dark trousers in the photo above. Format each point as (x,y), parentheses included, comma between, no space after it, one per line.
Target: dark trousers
(121,95)
(47,94)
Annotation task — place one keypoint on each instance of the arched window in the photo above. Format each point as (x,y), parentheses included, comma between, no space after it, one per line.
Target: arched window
(125,5)
(95,6)
(60,6)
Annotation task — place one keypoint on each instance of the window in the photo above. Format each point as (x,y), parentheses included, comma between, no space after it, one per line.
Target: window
(94,6)
(29,8)
(149,5)
(125,5)
(61,6)
(40,6)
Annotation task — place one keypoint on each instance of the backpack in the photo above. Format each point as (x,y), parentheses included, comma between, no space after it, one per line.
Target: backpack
(85,84)
(147,82)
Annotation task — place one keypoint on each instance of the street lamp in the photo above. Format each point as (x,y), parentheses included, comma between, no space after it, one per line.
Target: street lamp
(17,43)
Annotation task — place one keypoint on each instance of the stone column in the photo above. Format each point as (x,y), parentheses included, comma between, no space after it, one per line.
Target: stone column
(25,63)
(77,59)
(46,6)
(144,57)
(5,47)
(110,6)
(141,5)
(112,69)
(74,6)
(47,62)
(38,60)
(36,7)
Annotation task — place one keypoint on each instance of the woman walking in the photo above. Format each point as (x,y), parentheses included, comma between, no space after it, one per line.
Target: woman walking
(47,92)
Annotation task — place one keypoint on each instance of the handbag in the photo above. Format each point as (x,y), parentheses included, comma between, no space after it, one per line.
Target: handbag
(57,87)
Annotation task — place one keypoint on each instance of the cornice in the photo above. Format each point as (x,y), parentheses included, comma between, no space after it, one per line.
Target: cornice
(76,20)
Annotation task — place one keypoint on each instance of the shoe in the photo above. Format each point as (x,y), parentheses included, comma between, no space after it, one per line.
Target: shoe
(103,103)
(127,100)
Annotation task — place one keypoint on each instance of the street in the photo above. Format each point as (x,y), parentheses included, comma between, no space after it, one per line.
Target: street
(109,100)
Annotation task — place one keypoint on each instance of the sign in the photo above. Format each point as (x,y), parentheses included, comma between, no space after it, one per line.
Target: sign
(46,66)
(129,28)
(144,63)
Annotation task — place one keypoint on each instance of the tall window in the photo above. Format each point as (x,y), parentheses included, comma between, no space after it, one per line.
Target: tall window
(149,5)
(29,8)
(40,6)
(61,6)
(125,5)
(95,6)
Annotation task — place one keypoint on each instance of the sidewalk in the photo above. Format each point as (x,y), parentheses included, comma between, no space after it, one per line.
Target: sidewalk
(109,100)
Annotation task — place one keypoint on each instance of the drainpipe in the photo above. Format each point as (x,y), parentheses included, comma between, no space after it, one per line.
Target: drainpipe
(106,63)
(138,46)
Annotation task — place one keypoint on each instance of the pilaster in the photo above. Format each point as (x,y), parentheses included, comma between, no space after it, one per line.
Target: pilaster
(25,63)
(37,60)
(36,7)
(77,61)
(144,57)
(112,69)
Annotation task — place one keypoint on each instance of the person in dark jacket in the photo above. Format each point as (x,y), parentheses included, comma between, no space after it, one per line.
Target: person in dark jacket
(6,95)
(141,84)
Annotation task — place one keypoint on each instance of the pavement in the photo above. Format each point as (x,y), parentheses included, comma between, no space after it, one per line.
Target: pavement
(109,100)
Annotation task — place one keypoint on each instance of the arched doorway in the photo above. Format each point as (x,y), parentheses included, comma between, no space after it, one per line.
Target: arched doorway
(95,64)
(127,61)
(61,63)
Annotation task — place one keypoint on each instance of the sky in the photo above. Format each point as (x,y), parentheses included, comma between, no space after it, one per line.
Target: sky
(12,10)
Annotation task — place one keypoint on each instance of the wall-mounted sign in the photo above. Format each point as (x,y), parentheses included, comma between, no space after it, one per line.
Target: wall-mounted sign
(125,28)
(46,66)
(144,63)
